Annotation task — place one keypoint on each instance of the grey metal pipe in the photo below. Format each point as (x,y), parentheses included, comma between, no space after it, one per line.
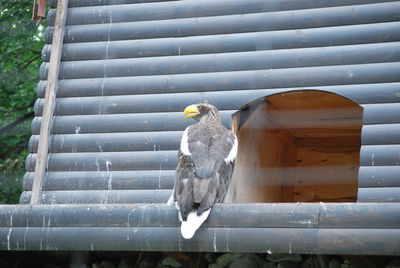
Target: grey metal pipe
(379,134)
(314,37)
(380,155)
(369,176)
(281,240)
(142,122)
(184,9)
(229,100)
(108,161)
(261,215)
(103,180)
(282,4)
(379,176)
(223,100)
(100,197)
(380,194)
(116,142)
(226,62)
(165,10)
(370,155)
(298,19)
(388,113)
(138,122)
(240,80)
(83,3)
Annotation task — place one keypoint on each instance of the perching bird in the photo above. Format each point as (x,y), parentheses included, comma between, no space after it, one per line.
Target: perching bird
(205,165)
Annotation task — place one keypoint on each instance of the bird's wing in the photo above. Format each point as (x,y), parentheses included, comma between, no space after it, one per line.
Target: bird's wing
(209,147)
(205,164)
(224,154)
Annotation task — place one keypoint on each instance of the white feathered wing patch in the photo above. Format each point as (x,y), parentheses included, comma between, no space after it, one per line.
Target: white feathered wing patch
(189,227)
(232,154)
(171,199)
(184,143)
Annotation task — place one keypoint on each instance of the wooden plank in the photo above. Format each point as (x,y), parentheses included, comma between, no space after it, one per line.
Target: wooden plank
(50,98)
(39,10)
(326,142)
(327,174)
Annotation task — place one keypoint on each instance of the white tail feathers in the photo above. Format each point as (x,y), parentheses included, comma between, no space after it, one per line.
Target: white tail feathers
(193,222)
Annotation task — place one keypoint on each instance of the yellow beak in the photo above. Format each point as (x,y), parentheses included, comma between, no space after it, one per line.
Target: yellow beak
(191,111)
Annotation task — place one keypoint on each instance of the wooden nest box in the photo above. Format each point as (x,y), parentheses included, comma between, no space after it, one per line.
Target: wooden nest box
(297,146)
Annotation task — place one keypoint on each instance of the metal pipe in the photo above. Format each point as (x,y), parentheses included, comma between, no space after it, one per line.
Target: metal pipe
(110,161)
(376,134)
(370,155)
(226,62)
(173,121)
(168,10)
(270,21)
(225,100)
(336,76)
(105,180)
(300,38)
(100,197)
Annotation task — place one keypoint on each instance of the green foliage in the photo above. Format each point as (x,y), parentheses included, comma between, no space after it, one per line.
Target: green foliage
(21,42)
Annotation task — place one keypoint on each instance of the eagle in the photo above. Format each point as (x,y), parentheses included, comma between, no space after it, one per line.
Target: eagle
(206,160)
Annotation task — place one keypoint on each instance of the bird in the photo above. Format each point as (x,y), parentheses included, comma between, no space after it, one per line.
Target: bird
(206,159)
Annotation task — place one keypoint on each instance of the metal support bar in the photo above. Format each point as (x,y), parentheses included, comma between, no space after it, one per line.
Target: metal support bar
(49,102)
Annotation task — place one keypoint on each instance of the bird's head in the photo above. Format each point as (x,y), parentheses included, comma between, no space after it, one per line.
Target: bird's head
(200,111)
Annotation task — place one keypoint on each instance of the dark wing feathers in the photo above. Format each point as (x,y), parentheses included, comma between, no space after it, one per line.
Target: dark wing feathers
(183,189)
(200,188)
(203,177)
(207,146)
(209,196)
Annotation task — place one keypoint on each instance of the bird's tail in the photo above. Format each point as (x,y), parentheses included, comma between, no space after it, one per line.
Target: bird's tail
(193,222)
